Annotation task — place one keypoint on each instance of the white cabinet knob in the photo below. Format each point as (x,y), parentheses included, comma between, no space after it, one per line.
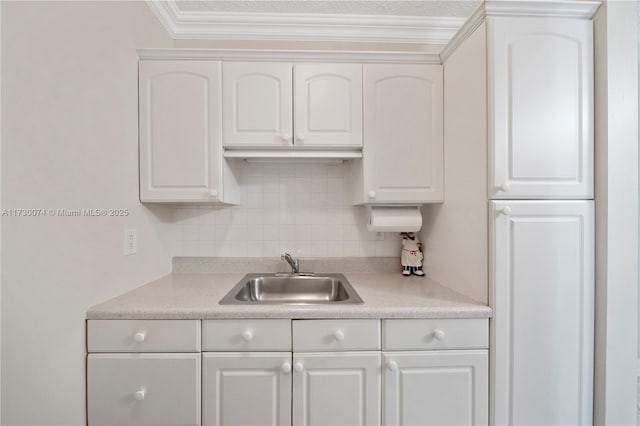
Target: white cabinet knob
(139,395)
(372,194)
(286,367)
(213,193)
(298,367)
(339,335)
(300,136)
(503,187)
(438,334)
(286,137)
(247,336)
(139,337)
(505,211)
(392,366)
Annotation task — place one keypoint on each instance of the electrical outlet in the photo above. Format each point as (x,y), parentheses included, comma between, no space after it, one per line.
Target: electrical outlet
(379,236)
(130,241)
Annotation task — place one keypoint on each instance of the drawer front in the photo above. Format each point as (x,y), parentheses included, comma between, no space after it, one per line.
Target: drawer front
(399,334)
(143,389)
(336,335)
(246,335)
(143,336)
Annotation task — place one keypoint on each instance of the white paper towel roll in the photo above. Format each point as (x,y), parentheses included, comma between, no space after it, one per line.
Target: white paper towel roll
(394,219)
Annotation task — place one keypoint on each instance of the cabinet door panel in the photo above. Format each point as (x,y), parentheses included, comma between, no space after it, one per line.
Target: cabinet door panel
(179,131)
(336,389)
(541,85)
(543,292)
(246,389)
(436,388)
(170,384)
(328,105)
(403,126)
(257,102)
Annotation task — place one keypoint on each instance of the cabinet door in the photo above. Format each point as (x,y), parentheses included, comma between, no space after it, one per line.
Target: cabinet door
(542,296)
(328,105)
(257,100)
(541,87)
(179,131)
(143,389)
(336,389)
(403,127)
(246,389)
(437,388)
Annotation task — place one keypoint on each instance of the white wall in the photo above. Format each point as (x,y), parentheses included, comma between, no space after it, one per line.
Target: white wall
(455,233)
(69,140)
(616,190)
(304,209)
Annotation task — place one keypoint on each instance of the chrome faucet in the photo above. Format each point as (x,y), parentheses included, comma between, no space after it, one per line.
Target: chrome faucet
(294,263)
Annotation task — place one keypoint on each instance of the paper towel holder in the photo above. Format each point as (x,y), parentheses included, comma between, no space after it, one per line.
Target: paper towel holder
(390,226)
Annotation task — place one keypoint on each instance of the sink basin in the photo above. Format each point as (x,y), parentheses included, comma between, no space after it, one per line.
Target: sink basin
(292,289)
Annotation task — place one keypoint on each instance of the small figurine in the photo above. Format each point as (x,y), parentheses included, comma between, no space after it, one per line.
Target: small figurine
(411,257)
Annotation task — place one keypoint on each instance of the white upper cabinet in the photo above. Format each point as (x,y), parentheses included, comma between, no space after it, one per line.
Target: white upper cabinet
(543,301)
(403,128)
(180,158)
(257,104)
(259,108)
(328,105)
(541,88)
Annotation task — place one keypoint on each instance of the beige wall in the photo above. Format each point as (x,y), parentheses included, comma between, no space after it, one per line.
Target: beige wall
(454,233)
(69,140)
(616,191)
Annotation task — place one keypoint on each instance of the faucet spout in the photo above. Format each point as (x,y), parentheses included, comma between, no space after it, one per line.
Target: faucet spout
(294,263)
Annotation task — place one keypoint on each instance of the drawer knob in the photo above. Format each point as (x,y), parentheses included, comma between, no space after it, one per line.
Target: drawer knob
(339,335)
(286,367)
(213,193)
(503,187)
(298,367)
(139,395)
(247,336)
(438,334)
(300,136)
(392,366)
(139,337)
(286,137)
(372,194)
(504,211)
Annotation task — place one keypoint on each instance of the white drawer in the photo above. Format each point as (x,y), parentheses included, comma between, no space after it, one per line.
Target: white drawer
(143,389)
(246,335)
(143,336)
(412,334)
(336,335)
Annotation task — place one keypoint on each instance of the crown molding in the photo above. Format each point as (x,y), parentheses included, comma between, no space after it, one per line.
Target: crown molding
(254,55)
(542,8)
(304,27)
(472,24)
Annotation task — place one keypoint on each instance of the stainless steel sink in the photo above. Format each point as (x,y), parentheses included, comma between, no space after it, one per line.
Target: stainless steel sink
(292,289)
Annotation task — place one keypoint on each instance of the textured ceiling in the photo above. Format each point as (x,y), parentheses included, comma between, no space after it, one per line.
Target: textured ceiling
(449,8)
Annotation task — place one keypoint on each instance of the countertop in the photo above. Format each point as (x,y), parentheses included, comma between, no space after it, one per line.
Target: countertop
(196,296)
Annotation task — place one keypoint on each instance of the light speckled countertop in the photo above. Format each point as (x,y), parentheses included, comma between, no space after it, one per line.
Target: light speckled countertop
(196,295)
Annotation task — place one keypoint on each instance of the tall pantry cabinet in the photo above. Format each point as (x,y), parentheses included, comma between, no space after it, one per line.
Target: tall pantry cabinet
(540,141)
(537,100)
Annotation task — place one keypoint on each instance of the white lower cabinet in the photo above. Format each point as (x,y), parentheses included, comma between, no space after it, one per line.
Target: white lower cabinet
(336,389)
(324,372)
(436,388)
(246,389)
(143,389)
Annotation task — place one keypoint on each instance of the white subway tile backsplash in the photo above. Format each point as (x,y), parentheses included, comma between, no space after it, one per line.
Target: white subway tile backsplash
(300,208)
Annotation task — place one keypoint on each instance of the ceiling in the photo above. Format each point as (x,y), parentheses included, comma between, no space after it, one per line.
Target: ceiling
(428,8)
(409,22)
